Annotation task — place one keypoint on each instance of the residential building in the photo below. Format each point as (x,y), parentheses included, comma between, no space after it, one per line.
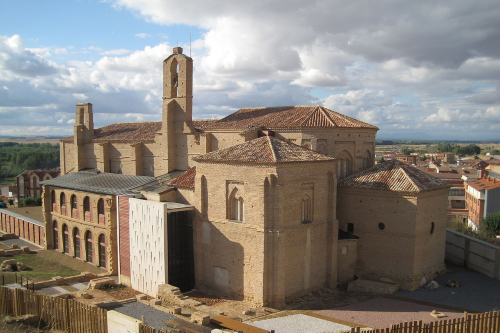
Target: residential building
(28,183)
(482,198)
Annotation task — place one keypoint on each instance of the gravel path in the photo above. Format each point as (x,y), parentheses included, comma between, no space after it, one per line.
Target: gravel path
(299,323)
(477,292)
(153,317)
(382,312)
(21,242)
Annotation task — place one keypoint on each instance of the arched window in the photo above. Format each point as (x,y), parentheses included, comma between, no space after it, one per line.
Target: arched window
(86,209)
(88,246)
(102,251)
(53,201)
(74,207)
(55,231)
(76,242)
(306,208)
(63,203)
(367,160)
(100,210)
(65,239)
(344,165)
(236,206)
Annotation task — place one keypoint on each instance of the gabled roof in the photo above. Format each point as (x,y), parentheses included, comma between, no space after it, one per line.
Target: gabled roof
(264,150)
(41,173)
(131,132)
(103,183)
(286,117)
(185,180)
(394,176)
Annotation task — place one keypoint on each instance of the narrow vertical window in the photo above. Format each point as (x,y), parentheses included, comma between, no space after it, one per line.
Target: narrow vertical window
(63,203)
(88,246)
(102,251)
(53,200)
(65,239)
(56,235)
(86,209)
(76,242)
(100,211)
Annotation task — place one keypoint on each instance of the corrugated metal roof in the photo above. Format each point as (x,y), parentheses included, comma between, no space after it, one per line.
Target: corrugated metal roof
(104,183)
(264,150)
(394,176)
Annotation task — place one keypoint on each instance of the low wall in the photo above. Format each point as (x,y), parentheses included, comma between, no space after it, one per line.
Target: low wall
(473,253)
(24,227)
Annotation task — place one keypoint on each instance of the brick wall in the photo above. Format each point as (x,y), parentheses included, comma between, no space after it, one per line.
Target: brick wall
(26,229)
(123,217)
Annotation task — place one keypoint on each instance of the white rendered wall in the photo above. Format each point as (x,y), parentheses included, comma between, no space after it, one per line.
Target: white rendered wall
(148,245)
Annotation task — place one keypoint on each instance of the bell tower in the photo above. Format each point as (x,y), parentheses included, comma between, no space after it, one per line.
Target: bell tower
(177,105)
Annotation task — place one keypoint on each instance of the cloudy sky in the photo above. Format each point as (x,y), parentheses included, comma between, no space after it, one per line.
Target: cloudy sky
(424,68)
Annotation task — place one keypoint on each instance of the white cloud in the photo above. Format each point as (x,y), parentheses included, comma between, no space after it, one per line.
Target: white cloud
(117,52)
(142,35)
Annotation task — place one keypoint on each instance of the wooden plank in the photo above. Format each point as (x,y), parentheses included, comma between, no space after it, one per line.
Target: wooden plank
(236,325)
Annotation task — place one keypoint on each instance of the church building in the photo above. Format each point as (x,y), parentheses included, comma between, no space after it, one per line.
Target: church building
(245,206)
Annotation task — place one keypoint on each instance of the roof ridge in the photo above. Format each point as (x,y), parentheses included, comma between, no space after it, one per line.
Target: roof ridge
(272,148)
(410,179)
(322,109)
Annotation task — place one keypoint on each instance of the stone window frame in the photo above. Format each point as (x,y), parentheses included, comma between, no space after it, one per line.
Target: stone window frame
(307,204)
(74,206)
(55,234)
(344,164)
(77,242)
(53,201)
(62,200)
(101,250)
(235,203)
(88,247)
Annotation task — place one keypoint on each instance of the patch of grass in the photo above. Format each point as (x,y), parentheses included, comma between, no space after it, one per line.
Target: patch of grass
(111,287)
(39,269)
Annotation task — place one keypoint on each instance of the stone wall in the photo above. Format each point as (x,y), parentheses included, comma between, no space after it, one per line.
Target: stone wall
(347,256)
(473,253)
(395,242)
(26,228)
(273,253)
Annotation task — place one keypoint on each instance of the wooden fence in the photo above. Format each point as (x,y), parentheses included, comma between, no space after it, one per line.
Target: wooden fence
(60,314)
(488,322)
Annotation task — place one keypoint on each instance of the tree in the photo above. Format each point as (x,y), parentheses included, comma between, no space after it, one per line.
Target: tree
(11,201)
(381,160)
(1,199)
(28,201)
(492,222)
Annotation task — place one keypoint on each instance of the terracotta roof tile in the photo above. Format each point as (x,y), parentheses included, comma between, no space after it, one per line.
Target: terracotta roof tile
(185,180)
(264,150)
(283,117)
(137,131)
(394,176)
(487,183)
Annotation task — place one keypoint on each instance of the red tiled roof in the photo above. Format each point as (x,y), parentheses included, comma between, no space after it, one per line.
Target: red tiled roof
(185,180)
(283,117)
(264,150)
(487,183)
(136,131)
(394,176)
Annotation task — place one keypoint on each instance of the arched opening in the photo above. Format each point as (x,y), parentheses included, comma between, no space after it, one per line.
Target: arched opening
(174,75)
(306,208)
(344,165)
(86,209)
(53,202)
(100,211)
(102,250)
(88,246)
(62,199)
(65,239)
(74,207)
(55,233)
(76,242)
(236,206)
(367,160)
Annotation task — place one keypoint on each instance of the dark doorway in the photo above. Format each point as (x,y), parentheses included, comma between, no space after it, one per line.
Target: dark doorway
(180,251)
